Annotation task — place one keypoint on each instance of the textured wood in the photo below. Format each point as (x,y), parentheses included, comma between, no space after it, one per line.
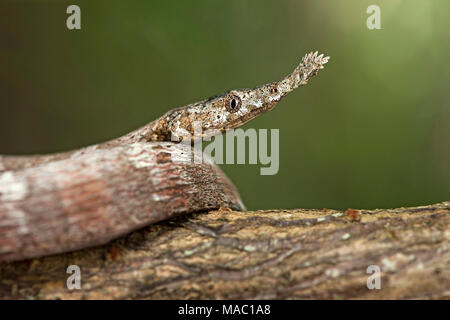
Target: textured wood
(52,204)
(275,254)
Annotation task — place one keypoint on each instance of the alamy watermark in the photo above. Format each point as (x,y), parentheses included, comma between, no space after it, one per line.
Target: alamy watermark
(74,280)
(73,21)
(374,281)
(235,147)
(374,20)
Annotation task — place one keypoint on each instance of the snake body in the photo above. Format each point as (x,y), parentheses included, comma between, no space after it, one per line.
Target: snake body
(73,200)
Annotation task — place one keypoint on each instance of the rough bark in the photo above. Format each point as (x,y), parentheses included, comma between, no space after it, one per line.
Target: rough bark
(278,254)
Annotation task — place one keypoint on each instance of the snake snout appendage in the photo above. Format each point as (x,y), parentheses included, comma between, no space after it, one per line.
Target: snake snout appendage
(314,61)
(309,67)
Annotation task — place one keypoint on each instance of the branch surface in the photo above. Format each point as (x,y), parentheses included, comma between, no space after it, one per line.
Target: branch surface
(276,254)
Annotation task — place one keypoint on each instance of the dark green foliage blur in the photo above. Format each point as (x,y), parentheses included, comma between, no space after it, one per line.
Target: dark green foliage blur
(371,130)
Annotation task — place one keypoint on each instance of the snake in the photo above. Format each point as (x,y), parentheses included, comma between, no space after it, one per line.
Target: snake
(56,203)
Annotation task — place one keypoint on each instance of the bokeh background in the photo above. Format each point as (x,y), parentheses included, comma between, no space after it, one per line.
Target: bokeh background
(371,130)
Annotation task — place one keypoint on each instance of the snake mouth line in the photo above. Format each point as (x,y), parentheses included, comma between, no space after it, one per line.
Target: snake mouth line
(252,114)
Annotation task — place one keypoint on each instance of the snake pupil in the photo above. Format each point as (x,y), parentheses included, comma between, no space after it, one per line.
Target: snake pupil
(233,103)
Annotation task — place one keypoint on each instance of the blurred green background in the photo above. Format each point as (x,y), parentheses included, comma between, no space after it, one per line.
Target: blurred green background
(371,130)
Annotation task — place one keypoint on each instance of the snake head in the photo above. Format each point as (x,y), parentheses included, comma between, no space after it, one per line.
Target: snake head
(236,107)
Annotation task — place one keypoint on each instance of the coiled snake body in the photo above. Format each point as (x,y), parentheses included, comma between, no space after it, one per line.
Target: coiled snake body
(62,202)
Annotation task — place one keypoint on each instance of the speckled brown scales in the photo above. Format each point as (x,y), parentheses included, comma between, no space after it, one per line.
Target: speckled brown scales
(56,203)
(232,109)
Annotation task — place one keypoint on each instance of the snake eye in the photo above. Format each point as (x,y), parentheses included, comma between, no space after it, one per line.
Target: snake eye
(232,103)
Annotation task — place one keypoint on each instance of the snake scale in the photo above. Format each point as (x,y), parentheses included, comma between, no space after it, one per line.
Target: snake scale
(67,201)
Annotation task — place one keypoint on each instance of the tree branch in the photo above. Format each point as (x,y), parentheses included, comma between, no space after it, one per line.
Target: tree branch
(277,254)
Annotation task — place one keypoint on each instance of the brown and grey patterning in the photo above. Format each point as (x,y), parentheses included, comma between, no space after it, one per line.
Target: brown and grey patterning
(77,199)
(231,109)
